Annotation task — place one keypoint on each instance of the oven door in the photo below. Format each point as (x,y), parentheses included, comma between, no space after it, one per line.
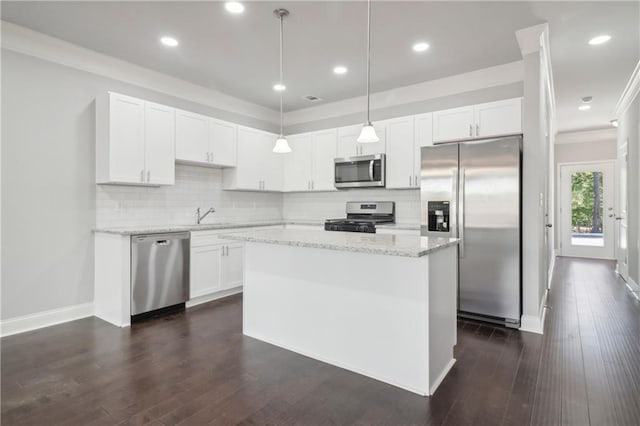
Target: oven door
(360,172)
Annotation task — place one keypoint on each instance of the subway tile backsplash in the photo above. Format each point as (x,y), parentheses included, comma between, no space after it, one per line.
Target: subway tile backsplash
(119,206)
(176,204)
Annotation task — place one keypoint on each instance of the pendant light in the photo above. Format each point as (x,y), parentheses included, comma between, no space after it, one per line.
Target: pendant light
(368,133)
(281,146)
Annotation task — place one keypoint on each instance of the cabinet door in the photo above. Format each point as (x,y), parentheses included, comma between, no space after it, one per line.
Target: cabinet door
(192,137)
(297,163)
(126,139)
(323,152)
(423,137)
(348,145)
(222,143)
(499,118)
(400,153)
(205,270)
(160,155)
(232,266)
(252,148)
(453,124)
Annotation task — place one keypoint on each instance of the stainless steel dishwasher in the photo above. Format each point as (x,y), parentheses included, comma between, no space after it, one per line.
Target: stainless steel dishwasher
(159,271)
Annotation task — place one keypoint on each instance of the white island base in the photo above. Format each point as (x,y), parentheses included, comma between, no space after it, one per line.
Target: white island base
(389,317)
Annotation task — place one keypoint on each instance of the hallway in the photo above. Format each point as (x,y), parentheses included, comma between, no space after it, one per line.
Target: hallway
(197,368)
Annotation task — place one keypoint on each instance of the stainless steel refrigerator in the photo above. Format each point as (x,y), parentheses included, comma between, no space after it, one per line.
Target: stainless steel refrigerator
(471,191)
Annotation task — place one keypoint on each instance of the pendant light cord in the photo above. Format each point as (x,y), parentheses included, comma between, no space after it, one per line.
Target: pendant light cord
(368,61)
(281,81)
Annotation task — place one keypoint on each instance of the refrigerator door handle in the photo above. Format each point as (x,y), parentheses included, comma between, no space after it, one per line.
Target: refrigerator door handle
(461,212)
(453,226)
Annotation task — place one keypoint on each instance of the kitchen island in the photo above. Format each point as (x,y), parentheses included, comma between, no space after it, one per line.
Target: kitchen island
(380,305)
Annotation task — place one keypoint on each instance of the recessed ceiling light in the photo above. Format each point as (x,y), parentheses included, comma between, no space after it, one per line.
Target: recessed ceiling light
(169,41)
(584,107)
(420,47)
(279,87)
(614,122)
(340,70)
(234,7)
(599,39)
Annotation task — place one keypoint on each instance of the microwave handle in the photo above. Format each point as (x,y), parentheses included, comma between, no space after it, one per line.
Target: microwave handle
(371,170)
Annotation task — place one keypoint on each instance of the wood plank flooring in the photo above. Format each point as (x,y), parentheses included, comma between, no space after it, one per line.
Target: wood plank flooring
(197,368)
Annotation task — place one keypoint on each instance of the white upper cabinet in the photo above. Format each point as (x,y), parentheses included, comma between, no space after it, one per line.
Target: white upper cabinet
(135,141)
(309,165)
(323,152)
(453,124)
(478,121)
(192,137)
(205,141)
(298,163)
(258,168)
(400,153)
(348,145)
(499,118)
(159,144)
(423,126)
(222,143)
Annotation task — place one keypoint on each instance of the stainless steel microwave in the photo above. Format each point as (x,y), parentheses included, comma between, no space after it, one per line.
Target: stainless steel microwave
(360,172)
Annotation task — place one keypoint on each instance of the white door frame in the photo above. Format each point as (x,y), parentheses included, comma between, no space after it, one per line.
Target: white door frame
(608,222)
(622,237)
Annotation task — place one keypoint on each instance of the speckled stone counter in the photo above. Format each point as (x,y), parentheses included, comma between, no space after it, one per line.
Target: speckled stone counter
(391,245)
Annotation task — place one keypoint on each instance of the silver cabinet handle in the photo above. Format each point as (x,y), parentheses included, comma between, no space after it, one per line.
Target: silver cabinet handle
(416,179)
(409,180)
(148,175)
(470,130)
(461,208)
(477,130)
(312,184)
(142,175)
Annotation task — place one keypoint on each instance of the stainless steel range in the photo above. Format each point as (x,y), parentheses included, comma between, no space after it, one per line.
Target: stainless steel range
(362,216)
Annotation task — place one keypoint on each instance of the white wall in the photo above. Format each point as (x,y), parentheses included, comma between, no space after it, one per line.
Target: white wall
(48,182)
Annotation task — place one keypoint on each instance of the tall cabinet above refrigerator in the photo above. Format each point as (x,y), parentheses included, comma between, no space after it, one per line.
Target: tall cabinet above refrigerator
(471,191)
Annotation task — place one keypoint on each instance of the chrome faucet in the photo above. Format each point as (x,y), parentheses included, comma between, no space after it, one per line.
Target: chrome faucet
(199,218)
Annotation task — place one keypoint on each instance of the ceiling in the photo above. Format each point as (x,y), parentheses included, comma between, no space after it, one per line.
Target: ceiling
(238,54)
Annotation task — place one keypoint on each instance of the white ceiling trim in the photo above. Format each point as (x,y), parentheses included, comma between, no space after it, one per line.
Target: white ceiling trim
(584,136)
(499,75)
(629,93)
(23,40)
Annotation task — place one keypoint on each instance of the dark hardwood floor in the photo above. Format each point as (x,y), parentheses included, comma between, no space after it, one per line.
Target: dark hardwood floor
(197,368)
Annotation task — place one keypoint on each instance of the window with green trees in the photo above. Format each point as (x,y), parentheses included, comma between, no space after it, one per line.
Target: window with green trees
(587,202)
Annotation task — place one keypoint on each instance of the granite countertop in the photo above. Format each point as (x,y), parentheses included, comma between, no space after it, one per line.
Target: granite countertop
(161,229)
(391,245)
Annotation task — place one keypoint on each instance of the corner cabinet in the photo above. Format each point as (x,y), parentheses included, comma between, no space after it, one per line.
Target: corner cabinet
(204,141)
(309,166)
(258,168)
(135,141)
(478,121)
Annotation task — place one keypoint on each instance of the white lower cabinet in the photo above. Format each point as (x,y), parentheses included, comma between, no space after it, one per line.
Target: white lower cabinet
(216,264)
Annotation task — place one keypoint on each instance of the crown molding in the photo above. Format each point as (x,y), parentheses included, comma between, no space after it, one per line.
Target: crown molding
(26,41)
(629,93)
(530,39)
(499,75)
(586,136)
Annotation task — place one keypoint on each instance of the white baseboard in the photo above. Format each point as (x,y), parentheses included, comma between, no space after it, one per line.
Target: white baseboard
(535,323)
(45,319)
(633,287)
(211,297)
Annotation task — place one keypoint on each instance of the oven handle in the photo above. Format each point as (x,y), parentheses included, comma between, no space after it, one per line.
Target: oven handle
(371,170)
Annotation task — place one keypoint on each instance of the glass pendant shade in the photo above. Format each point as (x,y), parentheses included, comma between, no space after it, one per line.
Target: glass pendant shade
(368,134)
(281,146)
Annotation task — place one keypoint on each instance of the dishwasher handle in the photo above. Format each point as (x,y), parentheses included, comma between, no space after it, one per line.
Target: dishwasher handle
(160,239)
